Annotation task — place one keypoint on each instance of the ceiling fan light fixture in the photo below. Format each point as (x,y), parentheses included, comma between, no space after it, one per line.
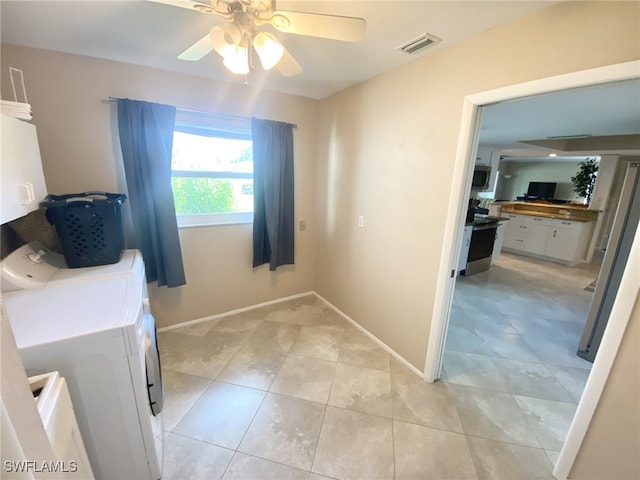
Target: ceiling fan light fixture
(269,49)
(226,39)
(239,62)
(280,22)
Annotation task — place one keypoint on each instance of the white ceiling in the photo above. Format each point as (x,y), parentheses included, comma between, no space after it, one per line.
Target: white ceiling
(152,34)
(597,111)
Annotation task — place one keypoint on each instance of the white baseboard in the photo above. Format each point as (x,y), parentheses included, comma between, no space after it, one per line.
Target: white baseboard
(380,343)
(233,312)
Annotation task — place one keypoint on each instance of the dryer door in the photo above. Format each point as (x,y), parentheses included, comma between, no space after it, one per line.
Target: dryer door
(155,388)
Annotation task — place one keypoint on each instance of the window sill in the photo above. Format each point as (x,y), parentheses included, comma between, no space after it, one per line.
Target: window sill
(214,219)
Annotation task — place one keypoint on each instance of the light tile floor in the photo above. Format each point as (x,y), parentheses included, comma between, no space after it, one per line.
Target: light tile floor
(293,391)
(511,347)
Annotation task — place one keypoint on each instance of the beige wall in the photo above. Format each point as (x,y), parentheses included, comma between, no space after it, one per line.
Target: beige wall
(386,151)
(80,152)
(612,443)
(524,172)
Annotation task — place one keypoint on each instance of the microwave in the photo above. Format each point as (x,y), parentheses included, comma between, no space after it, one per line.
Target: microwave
(481,174)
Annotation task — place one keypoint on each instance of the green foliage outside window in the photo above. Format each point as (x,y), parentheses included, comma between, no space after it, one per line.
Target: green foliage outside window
(194,195)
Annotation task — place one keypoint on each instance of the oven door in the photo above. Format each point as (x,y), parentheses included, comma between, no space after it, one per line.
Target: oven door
(481,248)
(482,239)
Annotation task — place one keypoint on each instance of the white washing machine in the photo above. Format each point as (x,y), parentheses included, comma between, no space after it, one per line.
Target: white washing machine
(34,266)
(94,326)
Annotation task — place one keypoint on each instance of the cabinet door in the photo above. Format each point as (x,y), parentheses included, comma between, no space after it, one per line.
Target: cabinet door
(563,244)
(537,242)
(527,237)
(514,243)
(512,225)
(483,156)
(23,186)
(516,234)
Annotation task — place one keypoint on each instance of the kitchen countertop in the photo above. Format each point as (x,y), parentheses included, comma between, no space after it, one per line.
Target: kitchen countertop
(564,216)
(564,212)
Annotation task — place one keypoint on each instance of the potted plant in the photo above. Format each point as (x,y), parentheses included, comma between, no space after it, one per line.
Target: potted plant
(585,179)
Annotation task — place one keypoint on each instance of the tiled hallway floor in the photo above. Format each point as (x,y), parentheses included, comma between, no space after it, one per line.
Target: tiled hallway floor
(293,391)
(511,347)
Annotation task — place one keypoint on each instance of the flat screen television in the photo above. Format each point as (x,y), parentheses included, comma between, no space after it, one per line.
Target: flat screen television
(541,189)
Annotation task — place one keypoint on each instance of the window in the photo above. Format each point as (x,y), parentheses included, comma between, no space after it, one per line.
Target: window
(212,171)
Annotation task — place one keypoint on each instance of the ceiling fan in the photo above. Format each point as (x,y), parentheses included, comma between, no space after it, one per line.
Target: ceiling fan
(234,41)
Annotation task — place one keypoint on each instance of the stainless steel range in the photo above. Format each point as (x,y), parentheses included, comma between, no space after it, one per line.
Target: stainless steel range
(481,247)
(483,237)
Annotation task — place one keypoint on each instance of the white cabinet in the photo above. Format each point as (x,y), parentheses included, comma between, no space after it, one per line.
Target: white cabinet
(525,233)
(567,240)
(23,185)
(562,243)
(491,158)
(464,251)
(554,239)
(538,234)
(483,156)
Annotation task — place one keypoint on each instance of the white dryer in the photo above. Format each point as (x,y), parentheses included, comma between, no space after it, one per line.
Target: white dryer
(94,326)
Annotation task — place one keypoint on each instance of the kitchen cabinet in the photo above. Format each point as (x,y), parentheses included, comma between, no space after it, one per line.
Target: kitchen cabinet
(483,156)
(567,240)
(538,235)
(23,185)
(464,251)
(521,234)
(547,238)
(491,158)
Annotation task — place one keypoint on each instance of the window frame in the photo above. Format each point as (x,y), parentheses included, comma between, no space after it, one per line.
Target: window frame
(215,126)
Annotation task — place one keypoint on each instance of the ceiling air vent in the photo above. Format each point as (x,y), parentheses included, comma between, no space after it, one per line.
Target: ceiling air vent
(418,44)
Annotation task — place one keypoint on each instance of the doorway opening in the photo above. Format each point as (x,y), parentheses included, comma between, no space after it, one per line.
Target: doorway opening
(463,170)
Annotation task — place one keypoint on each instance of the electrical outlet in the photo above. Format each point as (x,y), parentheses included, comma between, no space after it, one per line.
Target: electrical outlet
(302,225)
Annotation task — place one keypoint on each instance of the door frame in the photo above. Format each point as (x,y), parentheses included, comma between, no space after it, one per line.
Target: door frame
(462,173)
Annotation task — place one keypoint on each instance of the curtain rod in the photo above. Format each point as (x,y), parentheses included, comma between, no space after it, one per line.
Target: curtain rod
(189,110)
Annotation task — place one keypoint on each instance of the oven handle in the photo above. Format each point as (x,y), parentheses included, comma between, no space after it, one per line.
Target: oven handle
(487,226)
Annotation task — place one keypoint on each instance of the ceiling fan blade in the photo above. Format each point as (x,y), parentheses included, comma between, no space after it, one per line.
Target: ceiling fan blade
(200,6)
(288,66)
(348,29)
(198,50)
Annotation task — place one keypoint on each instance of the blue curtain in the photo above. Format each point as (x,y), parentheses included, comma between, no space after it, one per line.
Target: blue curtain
(273,214)
(146,139)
